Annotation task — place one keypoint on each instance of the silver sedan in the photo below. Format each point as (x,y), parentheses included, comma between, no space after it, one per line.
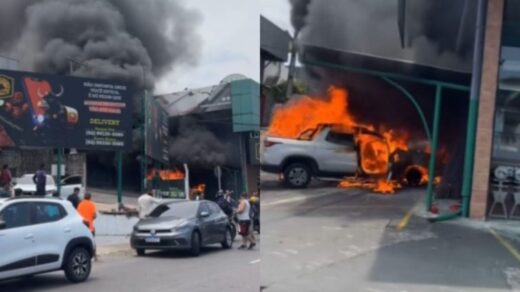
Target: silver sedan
(181,224)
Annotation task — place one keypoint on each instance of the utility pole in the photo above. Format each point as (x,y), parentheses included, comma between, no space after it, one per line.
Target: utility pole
(292,66)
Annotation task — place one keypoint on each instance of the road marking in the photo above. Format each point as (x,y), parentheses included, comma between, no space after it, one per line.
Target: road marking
(255,261)
(405,220)
(294,199)
(506,244)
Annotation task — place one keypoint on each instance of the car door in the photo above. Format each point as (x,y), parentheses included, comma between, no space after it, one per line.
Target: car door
(205,223)
(219,222)
(52,235)
(17,244)
(336,152)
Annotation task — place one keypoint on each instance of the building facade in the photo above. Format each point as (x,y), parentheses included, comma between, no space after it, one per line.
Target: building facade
(496,169)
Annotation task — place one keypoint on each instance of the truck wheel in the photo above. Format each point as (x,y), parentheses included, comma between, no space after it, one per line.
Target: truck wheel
(297,175)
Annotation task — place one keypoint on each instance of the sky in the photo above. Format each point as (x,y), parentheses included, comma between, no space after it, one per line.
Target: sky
(277,11)
(230,43)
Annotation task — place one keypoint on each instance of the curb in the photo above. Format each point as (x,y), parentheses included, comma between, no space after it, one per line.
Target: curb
(113,249)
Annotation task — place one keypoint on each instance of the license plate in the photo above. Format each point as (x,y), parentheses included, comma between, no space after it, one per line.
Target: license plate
(152,239)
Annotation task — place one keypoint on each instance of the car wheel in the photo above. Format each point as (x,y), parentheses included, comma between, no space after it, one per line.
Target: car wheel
(297,175)
(140,251)
(227,243)
(78,265)
(195,244)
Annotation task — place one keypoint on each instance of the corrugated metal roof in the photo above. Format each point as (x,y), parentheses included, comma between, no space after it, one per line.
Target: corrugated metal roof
(200,100)
(273,40)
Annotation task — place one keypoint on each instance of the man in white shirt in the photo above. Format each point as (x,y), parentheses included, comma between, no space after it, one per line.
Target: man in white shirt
(146,203)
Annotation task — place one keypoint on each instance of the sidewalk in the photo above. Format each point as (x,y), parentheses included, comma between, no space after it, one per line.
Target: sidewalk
(106,200)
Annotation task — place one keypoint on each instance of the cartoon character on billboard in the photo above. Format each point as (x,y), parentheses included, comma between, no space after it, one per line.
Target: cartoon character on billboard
(49,114)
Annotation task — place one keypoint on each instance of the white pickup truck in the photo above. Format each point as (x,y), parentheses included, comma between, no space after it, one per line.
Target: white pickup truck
(320,152)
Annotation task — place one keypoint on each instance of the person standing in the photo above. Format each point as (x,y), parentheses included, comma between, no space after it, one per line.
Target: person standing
(146,203)
(88,211)
(6,177)
(40,180)
(244,220)
(74,198)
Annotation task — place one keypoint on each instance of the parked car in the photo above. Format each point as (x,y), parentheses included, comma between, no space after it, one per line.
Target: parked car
(182,225)
(39,235)
(26,184)
(27,187)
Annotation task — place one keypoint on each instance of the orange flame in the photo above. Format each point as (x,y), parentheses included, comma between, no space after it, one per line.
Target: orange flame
(380,186)
(385,187)
(307,112)
(173,174)
(295,119)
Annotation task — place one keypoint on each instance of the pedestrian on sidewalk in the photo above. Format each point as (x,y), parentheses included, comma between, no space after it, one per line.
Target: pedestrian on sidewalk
(244,220)
(74,198)
(146,203)
(88,211)
(6,178)
(40,180)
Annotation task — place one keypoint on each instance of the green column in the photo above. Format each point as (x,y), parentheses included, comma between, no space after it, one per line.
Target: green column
(58,171)
(414,102)
(433,145)
(119,177)
(468,156)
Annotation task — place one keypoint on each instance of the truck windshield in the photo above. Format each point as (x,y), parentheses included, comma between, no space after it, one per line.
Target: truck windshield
(307,135)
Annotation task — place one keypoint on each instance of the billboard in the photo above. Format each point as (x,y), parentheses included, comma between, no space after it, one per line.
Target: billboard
(39,110)
(157,131)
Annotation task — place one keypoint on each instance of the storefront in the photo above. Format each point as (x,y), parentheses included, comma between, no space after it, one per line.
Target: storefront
(504,188)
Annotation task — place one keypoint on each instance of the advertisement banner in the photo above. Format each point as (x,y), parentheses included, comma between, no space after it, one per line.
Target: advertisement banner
(157,131)
(39,110)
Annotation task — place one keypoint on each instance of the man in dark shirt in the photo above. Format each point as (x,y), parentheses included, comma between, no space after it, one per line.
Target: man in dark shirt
(74,198)
(40,180)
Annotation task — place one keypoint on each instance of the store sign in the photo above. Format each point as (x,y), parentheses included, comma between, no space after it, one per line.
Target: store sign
(157,131)
(507,173)
(40,110)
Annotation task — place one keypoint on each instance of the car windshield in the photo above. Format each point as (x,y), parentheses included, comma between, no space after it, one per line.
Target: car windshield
(177,209)
(28,179)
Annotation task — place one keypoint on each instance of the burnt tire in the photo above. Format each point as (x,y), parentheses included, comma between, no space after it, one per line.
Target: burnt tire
(78,265)
(297,175)
(140,252)
(195,244)
(227,243)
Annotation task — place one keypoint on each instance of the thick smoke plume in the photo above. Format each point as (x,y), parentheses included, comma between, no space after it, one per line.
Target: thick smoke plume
(196,145)
(300,9)
(438,33)
(130,40)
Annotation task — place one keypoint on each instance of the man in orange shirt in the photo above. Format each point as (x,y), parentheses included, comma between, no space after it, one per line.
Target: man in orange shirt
(87,210)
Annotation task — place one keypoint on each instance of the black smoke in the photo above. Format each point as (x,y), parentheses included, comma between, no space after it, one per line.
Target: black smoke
(194,144)
(129,40)
(299,11)
(437,33)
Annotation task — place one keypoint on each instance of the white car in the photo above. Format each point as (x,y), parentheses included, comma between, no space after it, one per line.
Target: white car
(39,235)
(26,184)
(27,187)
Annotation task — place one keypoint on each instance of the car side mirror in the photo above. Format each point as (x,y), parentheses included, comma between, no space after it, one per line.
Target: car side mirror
(3,225)
(204,214)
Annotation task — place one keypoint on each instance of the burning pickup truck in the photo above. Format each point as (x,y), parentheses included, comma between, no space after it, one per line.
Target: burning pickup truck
(327,151)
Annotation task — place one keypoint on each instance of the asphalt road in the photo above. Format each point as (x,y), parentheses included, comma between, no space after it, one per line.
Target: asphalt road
(327,239)
(215,270)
